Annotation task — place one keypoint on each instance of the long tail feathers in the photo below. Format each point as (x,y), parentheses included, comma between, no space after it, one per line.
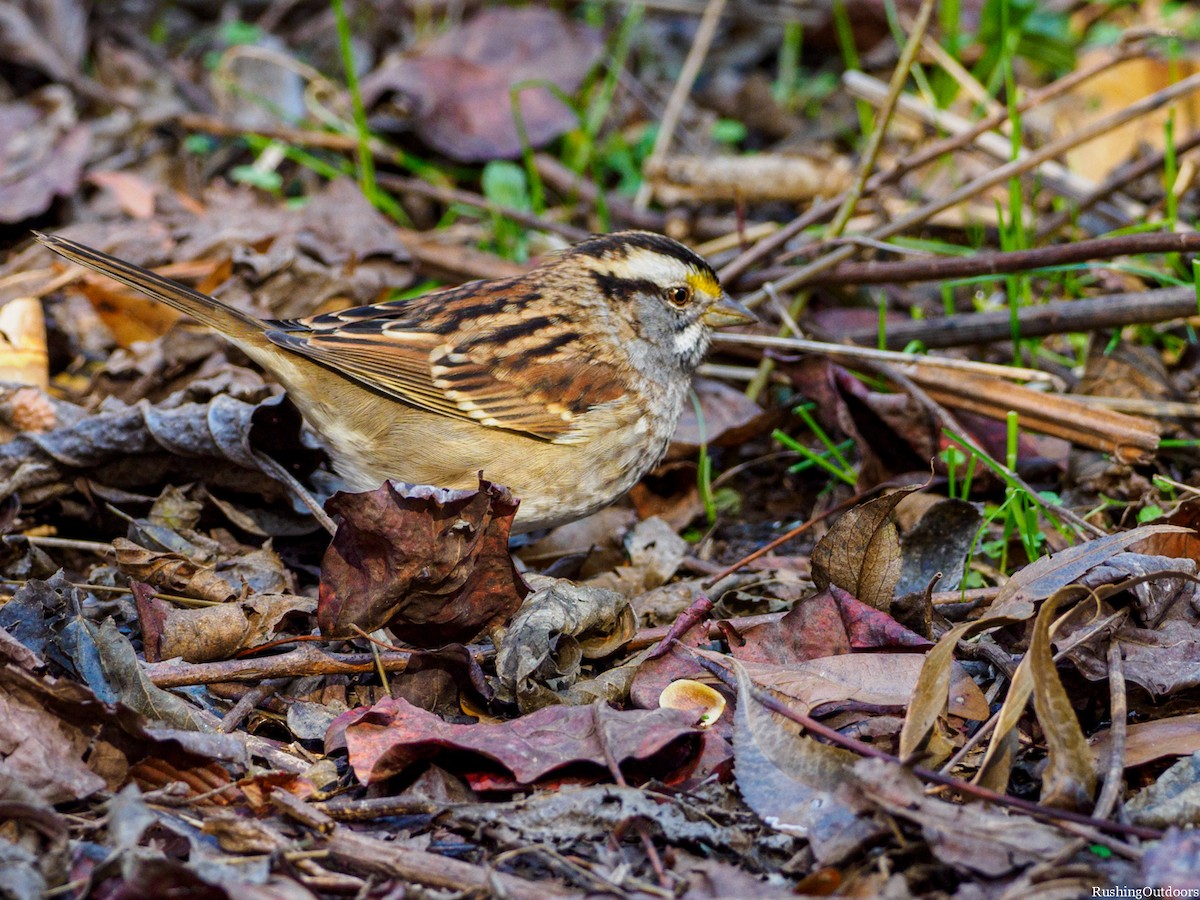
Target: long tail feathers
(231,322)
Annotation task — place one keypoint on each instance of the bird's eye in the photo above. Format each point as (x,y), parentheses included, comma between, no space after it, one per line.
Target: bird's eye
(678,296)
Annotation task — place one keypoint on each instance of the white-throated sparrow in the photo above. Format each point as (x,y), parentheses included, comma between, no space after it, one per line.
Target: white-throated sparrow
(564,384)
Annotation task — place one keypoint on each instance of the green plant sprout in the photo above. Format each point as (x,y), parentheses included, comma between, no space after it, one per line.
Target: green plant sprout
(716,501)
(832,460)
(504,183)
(366,162)
(1023,520)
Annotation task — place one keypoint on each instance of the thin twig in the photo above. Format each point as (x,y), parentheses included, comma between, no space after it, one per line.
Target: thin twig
(850,200)
(846,351)
(945,268)
(996,176)
(923,157)
(1118,713)
(1055,317)
(705,33)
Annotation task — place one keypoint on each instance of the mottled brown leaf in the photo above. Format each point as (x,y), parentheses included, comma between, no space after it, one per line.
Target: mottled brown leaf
(430,564)
(387,738)
(1016,602)
(461,82)
(788,778)
(558,626)
(42,152)
(1069,779)
(826,624)
(861,552)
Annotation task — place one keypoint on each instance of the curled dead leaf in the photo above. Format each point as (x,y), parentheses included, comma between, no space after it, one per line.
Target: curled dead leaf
(429,563)
(559,625)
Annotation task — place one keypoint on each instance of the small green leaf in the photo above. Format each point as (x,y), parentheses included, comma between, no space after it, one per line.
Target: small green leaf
(728,131)
(505,183)
(1149,513)
(265,180)
(200,144)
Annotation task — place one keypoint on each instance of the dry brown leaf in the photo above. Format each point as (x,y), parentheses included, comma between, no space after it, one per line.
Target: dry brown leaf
(462,82)
(861,552)
(788,778)
(1069,779)
(1148,741)
(557,626)
(1115,89)
(216,632)
(879,679)
(973,837)
(1016,602)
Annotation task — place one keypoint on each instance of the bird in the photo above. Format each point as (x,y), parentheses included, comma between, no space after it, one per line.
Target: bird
(563,384)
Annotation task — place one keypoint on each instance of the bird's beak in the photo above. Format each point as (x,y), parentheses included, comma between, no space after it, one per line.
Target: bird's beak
(726,312)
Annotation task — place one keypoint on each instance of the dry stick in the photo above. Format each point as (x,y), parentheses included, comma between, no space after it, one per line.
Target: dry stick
(845,351)
(1129,438)
(1120,178)
(997,176)
(249,701)
(366,854)
(862,748)
(305,660)
(931,152)
(942,268)
(705,33)
(1055,317)
(1155,409)
(1118,710)
(883,119)
(1056,176)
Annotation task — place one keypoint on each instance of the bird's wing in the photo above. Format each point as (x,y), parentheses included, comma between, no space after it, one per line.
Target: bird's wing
(481,375)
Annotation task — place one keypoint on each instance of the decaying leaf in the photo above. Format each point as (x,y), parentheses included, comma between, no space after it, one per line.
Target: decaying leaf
(939,542)
(23,355)
(654,552)
(392,735)
(558,625)
(789,778)
(861,552)
(872,679)
(431,564)
(42,153)
(826,624)
(1173,801)
(1016,602)
(213,632)
(215,582)
(971,837)
(132,446)
(730,419)
(462,84)
(1069,779)
(1148,741)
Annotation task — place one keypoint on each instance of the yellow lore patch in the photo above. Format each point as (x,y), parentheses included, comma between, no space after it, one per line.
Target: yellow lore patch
(703,283)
